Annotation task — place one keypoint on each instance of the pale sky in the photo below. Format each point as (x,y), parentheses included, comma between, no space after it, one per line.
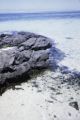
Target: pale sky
(38,5)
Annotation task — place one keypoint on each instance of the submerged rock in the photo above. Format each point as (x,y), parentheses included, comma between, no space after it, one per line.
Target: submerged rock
(74,105)
(20,53)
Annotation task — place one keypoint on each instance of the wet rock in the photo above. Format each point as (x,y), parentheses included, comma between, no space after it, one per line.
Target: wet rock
(21,52)
(74,104)
(39,59)
(7,57)
(29,43)
(41,43)
(2,35)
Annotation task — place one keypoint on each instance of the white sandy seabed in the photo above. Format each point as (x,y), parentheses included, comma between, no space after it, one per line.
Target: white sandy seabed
(44,97)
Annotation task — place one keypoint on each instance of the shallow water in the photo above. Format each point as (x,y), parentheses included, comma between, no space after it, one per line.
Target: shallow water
(65,33)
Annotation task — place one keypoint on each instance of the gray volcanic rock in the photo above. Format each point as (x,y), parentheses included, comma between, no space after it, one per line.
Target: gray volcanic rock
(7,57)
(41,43)
(39,59)
(21,52)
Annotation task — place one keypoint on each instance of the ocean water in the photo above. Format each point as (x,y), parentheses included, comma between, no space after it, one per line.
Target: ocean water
(43,15)
(62,27)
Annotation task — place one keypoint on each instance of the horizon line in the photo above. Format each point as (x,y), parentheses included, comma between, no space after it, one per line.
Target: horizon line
(19,12)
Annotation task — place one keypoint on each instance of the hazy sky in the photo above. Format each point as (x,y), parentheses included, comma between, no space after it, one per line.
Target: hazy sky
(38,5)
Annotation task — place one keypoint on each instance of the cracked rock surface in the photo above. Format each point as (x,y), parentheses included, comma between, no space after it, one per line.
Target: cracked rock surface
(21,52)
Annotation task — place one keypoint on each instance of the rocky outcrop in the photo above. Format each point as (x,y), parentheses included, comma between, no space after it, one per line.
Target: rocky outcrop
(21,52)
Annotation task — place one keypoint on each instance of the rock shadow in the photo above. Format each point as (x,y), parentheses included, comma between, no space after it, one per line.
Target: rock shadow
(72,76)
(56,55)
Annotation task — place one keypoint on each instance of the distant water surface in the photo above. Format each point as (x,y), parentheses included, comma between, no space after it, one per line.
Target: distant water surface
(44,15)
